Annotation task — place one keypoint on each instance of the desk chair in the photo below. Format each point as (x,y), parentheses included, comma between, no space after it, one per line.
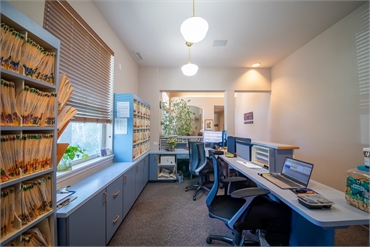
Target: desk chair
(198,167)
(231,209)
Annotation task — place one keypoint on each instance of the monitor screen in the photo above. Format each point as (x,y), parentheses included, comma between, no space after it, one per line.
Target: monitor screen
(243,150)
(212,137)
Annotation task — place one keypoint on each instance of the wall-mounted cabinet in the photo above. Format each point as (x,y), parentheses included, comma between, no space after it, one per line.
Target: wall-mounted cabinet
(131,127)
(28,130)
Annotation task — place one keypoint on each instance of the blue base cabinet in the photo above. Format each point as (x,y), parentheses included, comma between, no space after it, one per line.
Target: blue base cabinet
(153,167)
(129,194)
(114,200)
(77,230)
(95,222)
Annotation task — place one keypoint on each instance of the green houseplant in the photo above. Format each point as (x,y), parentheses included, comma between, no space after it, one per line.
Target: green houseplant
(72,152)
(172,142)
(177,118)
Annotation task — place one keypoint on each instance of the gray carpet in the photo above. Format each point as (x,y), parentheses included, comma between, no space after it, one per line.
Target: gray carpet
(166,215)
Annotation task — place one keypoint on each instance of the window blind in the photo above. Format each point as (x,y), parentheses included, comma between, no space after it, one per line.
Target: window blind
(85,59)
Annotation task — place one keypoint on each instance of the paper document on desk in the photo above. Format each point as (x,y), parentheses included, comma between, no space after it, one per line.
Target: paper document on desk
(248,164)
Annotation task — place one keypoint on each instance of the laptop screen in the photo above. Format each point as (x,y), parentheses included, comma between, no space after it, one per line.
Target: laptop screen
(297,170)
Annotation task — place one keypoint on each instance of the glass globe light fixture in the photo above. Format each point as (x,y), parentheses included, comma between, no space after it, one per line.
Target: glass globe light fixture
(194,29)
(189,69)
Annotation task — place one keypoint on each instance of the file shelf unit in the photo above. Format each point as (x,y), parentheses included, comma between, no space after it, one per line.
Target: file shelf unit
(45,219)
(131,127)
(271,155)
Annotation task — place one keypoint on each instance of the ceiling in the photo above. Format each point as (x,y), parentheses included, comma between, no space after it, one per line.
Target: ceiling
(256,31)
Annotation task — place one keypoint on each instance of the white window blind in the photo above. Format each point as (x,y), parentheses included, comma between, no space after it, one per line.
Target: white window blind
(85,59)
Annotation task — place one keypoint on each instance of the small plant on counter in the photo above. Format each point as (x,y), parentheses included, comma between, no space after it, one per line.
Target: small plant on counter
(172,142)
(72,152)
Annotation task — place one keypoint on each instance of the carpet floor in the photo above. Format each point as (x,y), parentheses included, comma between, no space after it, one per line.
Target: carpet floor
(165,215)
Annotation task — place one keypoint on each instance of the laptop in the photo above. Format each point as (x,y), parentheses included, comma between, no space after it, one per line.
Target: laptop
(294,174)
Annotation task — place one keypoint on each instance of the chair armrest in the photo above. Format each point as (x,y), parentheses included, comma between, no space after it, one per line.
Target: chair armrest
(247,192)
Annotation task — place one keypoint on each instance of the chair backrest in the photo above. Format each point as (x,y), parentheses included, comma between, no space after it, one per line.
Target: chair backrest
(193,156)
(213,192)
(202,156)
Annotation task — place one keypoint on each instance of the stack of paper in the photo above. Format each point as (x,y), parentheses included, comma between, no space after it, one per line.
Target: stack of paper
(64,93)
(16,50)
(10,48)
(24,154)
(9,116)
(22,206)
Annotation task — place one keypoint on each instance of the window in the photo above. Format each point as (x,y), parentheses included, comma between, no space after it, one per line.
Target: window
(88,135)
(88,63)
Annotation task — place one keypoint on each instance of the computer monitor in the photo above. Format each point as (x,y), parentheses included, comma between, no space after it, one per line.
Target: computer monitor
(243,147)
(212,137)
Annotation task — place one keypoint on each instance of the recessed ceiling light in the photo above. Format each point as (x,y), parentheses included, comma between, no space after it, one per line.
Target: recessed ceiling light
(256,64)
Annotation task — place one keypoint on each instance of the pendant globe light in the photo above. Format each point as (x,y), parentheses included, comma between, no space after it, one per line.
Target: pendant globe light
(194,29)
(189,69)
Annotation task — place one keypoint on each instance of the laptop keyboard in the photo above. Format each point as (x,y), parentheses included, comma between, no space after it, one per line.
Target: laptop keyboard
(285,180)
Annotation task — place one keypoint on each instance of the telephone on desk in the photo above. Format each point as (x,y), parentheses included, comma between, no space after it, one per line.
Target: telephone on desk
(217,147)
(217,150)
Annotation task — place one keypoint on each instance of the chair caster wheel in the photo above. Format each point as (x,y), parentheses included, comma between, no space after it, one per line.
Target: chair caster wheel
(209,240)
(186,190)
(194,199)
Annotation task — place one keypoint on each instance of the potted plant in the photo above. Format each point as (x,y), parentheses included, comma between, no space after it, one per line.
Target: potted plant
(172,142)
(177,118)
(72,152)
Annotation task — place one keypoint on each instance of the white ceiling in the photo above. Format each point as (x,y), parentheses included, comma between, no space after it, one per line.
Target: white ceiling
(256,31)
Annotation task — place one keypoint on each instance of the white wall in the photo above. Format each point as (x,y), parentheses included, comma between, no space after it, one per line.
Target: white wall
(315,101)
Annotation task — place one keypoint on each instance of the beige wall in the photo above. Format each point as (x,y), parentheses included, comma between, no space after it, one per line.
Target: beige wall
(33,9)
(126,79)
(315,101)
(259,104)
(153,80)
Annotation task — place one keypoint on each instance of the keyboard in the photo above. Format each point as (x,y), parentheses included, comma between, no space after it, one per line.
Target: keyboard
(284,180)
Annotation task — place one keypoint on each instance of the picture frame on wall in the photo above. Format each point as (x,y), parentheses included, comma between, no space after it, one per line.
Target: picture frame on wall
(208,124)
(248,118)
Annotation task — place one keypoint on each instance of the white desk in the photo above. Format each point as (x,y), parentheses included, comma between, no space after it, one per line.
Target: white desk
(314,227)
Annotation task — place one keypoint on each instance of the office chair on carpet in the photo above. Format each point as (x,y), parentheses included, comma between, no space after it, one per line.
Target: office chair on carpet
(198,166)
(231,209)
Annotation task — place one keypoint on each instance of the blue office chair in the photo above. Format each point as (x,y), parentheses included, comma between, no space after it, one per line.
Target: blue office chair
(232,209)
(198,166)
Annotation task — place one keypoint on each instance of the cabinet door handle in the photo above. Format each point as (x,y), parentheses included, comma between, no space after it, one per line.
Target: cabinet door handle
(105,197)
(124,179)
(116,194)
(115,220)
